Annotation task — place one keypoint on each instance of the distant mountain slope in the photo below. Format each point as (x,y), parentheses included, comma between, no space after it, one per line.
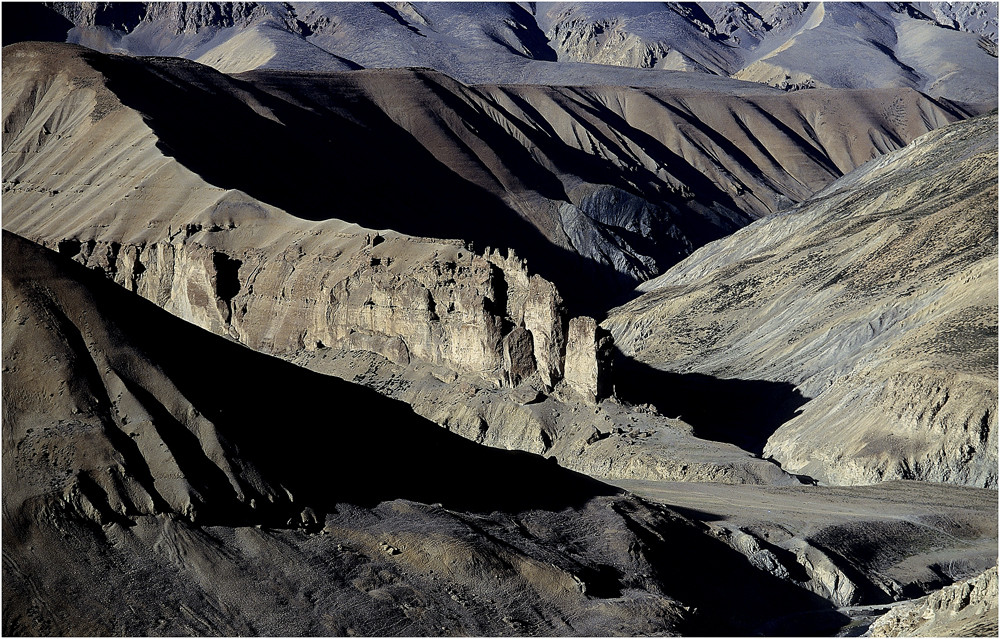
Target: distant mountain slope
(877,297)
(616,183)
(867,45)
(944,49)
(158,479)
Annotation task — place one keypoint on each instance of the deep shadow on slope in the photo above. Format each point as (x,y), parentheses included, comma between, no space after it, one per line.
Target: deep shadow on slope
(718,580)
(324,439)
(329,441)
(355,165)
(32,21)
(741,412)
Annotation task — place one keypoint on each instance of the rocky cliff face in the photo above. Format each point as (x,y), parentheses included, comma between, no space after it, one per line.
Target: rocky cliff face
(966,608)
(876,299)
(588,358)
(400,297)
(301,286)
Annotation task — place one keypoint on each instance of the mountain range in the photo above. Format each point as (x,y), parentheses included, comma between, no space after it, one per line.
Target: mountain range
(500,319)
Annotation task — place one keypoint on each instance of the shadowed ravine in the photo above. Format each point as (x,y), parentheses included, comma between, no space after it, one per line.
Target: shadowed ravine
(741,412)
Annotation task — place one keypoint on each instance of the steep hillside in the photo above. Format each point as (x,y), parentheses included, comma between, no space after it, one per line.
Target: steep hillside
(149,490)
(614,183)
(876,298)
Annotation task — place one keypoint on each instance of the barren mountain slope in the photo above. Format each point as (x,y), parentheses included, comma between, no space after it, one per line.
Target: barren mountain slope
(431,310)
(617,184)
(878,45)
(946,49)
(877,298)
(147,490)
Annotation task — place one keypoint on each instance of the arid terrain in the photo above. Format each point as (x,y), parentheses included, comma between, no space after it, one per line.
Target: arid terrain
(500,319)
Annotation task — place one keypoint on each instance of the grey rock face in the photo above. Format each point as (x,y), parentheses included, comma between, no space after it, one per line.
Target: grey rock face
(544,318)
(518,355)
(636,238)
(588,358)
(438,305)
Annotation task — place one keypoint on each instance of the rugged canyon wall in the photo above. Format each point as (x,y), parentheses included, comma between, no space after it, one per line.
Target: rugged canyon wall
(401,297)
(95,169)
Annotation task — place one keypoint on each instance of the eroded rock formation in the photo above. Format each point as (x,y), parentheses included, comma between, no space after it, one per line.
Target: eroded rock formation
(967,608)
(402,298)
(149,490)
(588,358)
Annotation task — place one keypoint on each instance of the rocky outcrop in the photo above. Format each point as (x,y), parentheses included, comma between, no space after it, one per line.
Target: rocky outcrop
(588,358)
(403,298)
(605,41)
(518,355)
(967,608)
(798,561)
(543,317)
